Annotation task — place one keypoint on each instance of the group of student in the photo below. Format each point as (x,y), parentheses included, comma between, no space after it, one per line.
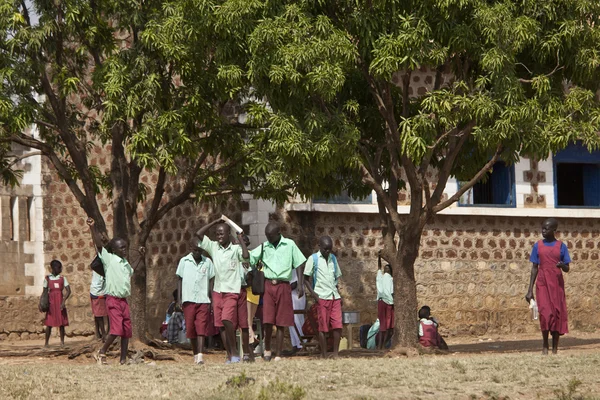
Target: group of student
(215,290)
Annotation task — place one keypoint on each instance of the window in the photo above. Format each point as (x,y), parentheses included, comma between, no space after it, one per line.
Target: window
(577,177)
(497,189)
(344,198)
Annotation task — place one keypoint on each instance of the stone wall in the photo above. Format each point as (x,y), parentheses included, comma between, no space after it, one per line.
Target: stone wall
(472,271)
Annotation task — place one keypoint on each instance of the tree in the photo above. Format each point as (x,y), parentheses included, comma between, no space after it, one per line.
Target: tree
(152,84)
(508,78)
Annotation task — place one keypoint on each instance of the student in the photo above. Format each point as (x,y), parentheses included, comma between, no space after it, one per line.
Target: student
(245,300)
(299,303)
(385,303)
(428,330)
(56,315)
(117,287)
(550,259)
(227,258)
(98,302)
(279,257)
(194,288)
(324,272)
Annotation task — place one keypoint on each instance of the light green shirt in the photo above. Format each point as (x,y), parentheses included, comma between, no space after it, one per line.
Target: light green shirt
(55,278)
(117,274)
(278,261)
(385,287)
(97,285)
(195,278)
(227,261)
(325,287)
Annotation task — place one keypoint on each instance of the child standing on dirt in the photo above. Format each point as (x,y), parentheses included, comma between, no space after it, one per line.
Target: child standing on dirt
(98,302)
(385,303)
(324,272)
(428,330)
(118,274)
(195,273)
(56,316)
(550,258)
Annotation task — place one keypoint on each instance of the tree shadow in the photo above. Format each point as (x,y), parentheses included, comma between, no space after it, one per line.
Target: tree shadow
(510,346)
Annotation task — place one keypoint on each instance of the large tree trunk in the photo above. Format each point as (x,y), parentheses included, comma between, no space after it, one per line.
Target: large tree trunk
(405,290)
(138,297)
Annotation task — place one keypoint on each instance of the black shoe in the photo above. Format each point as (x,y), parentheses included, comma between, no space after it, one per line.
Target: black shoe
(247,359)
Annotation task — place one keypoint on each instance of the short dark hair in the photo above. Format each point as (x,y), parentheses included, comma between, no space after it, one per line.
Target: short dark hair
(390,267)
(55,263)
(424,312)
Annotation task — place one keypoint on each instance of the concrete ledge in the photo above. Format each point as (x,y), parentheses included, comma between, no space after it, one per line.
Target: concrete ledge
(477,211)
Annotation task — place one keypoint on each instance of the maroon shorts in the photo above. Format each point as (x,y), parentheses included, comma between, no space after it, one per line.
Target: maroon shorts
(196,319)
(225,307)
(385,313)
(330,314)
(277,304)
(119,316)
(242,309)
(99,306)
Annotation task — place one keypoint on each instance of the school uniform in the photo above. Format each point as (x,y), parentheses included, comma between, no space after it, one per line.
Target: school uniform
(385,301)
(550,285)
(117,286)
(299,303)
(55,316)
(97,295)
(330,301)
(428,333)
(195,283)
(229,273)
(278,264)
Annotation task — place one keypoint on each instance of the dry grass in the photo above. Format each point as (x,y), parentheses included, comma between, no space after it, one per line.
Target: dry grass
(496,376)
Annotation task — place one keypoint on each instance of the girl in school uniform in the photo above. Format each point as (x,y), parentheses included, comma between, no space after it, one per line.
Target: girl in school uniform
(56,316)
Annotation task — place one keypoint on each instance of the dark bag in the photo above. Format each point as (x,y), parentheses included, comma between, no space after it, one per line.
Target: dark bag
(97,266)
(258,276)
(363,334)
(45,299)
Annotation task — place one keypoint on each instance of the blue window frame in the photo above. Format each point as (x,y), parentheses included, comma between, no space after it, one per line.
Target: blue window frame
(344,198)
(497,190)
(577,177)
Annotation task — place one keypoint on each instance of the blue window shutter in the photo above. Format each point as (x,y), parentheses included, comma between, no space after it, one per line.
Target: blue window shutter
(501,183)
(591,185)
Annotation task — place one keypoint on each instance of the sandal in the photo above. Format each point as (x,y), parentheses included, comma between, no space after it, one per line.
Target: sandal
(100,358)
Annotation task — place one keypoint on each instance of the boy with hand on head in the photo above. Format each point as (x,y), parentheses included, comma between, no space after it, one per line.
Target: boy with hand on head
(550,258)
(428,330)
(324,272)
(279,256)
(229,311)
(117,277)
(56,315)
(385,303)
(194,288)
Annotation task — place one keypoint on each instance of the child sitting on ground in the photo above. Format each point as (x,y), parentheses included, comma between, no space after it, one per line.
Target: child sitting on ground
(428,330)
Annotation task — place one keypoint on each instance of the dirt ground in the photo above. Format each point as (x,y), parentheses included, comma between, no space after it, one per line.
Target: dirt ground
(475,368)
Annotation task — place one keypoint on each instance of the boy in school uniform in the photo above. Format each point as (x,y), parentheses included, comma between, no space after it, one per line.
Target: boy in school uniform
(117,287)
(324,272)
(230,312)
(279,257)
(428,330)
(385,303)
(194,288)
(550,258)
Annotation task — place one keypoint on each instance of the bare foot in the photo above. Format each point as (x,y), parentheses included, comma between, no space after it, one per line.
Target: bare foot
(46,345)
(554,351)
(545,351)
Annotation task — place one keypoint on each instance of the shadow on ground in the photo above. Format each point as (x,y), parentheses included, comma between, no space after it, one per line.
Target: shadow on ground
(566,343)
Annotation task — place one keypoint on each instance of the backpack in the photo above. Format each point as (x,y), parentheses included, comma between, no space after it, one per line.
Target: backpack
(315,258)
(363,333)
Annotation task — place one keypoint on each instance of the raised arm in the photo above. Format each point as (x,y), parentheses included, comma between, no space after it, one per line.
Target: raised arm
(202,231)
(532,278)
(242,242)
(98,242)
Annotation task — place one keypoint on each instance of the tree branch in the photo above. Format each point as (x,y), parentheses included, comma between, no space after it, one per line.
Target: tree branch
(470,183)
